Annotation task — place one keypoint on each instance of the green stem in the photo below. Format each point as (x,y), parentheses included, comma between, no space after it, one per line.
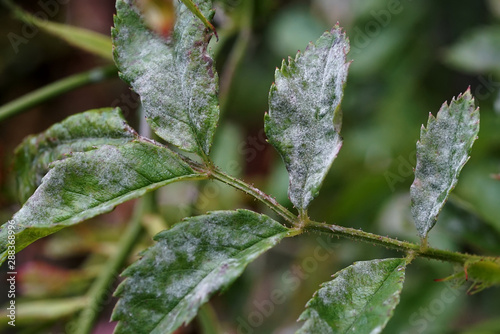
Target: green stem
(207,319)
(306,225)
(100,289)
(257,193)
(54,89)
(375,239)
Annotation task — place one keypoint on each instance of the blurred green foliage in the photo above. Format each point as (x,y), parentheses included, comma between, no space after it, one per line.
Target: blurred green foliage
(408,58)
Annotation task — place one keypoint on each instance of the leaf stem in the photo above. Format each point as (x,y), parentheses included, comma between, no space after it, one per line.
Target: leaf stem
(207,320)
(100,290)
(375,239)
(54,89)
(256,193)
(307,225)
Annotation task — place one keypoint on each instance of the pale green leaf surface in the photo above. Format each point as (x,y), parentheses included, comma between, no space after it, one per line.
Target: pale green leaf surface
(304,113)
(187,265)
(175,78)
(78,133)
(88,184)
(442,151)
(84,39)
(360,299)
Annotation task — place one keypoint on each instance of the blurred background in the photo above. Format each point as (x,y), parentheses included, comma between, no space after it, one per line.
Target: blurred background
(408,58)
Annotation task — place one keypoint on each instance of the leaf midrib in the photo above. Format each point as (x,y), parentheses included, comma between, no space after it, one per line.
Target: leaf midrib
(355,320)
(238,259)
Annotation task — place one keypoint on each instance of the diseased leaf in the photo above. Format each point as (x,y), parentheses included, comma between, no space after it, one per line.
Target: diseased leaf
(78,133)
(196,11)
(360,299)
(442,151)
(91,183)
(175,78)
(304,113)
(187,265)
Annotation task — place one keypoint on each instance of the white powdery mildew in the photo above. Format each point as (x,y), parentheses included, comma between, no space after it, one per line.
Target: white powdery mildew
(188,264)
(442,151)
(302,104)
(77,133)
(91,183)
(176,79)
(360,298)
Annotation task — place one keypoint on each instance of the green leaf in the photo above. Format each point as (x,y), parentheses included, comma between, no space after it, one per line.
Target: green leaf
(84,39)
(91,183)
(187,265)
(360,299)
(175,78)
(442,151)
(304,104)
(77,133)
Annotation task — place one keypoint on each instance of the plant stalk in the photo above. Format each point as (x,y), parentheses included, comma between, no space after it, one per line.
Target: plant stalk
(290,218)
(405,246)
(54,89)
(207,320)
(347,232)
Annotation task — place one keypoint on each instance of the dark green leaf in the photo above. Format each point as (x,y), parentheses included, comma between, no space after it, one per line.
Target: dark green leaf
(304,104)
(360,299)
(78,133)
(442,151)
(175,78)
(187,265)
(91,183)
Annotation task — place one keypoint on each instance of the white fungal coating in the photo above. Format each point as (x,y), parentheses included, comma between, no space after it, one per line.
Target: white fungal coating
(303,104)
(442,151)
(360,299)
(175,78)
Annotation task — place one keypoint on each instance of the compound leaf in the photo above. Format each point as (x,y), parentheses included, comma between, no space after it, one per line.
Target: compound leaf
(360,299)
(78,133)
(304,113)
(442,151)
(188,264)
(175,78)
(91,183)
